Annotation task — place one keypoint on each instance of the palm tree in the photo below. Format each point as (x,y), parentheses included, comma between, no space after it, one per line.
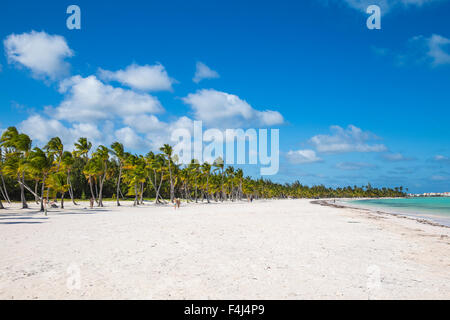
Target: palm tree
(239,177)
(219,164)
(43,163)
(118,151)
(167,151)
(19,145)
(67,162)
(206,171)
(82,148)
(155,166)
(101,156)
(3,189)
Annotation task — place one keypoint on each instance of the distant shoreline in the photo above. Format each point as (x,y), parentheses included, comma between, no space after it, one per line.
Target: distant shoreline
(343,205)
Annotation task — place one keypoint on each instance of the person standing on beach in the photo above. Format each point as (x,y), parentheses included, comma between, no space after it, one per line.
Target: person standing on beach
(177,203)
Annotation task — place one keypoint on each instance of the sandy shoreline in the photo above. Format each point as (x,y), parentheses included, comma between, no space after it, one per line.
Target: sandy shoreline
(280,249)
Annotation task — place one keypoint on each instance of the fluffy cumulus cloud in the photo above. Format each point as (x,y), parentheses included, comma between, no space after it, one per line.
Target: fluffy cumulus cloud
(202,71)
(41,129)
(130,139)
(222,109)
(145,78)
(88,99)
(302,156)
(351,139)
(40,52)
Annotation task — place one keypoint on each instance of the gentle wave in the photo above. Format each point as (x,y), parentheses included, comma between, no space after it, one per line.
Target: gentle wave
(434,208)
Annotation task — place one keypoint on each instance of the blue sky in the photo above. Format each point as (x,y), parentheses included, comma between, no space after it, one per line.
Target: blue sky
(353,105)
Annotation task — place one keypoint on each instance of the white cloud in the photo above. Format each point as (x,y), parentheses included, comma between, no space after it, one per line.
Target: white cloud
(41,130)
(222,110)
(352,139)
(440,178)
(354,165)
(385,5)
(144,123)
(146,78)
(40,52)
(395,157)
(88,99)
(158,137)
(442,159)
(302,156)
(130,139)
(435,49)
(204,72)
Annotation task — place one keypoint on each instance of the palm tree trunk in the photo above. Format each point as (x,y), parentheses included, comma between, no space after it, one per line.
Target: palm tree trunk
(90,186)
(42,194)
(171,184)
(62,200)
(1,205)
(71,189)
(207,189)
(222,195)
(96,190)
(22,191)
(159,188)
(118,185)
(142,193)
(3,193)
(5,190)
(100,195)
(36,198)
(135,195)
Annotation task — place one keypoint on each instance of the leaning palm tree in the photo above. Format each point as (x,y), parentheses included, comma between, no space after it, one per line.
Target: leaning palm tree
(58,182)
(3,189)
(18,145)
(43,163)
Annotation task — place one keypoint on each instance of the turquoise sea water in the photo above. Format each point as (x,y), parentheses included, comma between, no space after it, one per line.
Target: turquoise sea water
(433,208)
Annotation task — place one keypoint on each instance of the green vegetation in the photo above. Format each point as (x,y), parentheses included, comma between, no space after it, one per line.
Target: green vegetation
(34,174)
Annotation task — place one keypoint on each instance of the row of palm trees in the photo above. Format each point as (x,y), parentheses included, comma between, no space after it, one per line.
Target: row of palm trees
(113,172)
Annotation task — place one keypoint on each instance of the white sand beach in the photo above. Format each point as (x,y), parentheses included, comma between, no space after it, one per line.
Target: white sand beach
(280,249)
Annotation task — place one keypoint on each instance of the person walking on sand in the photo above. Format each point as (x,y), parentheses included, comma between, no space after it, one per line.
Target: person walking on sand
(177,203)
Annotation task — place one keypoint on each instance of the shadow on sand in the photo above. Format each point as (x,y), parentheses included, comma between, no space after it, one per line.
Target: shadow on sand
(31,217)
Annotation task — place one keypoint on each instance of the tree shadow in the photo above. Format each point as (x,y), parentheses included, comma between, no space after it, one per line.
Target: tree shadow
(22,218)
(21,222)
